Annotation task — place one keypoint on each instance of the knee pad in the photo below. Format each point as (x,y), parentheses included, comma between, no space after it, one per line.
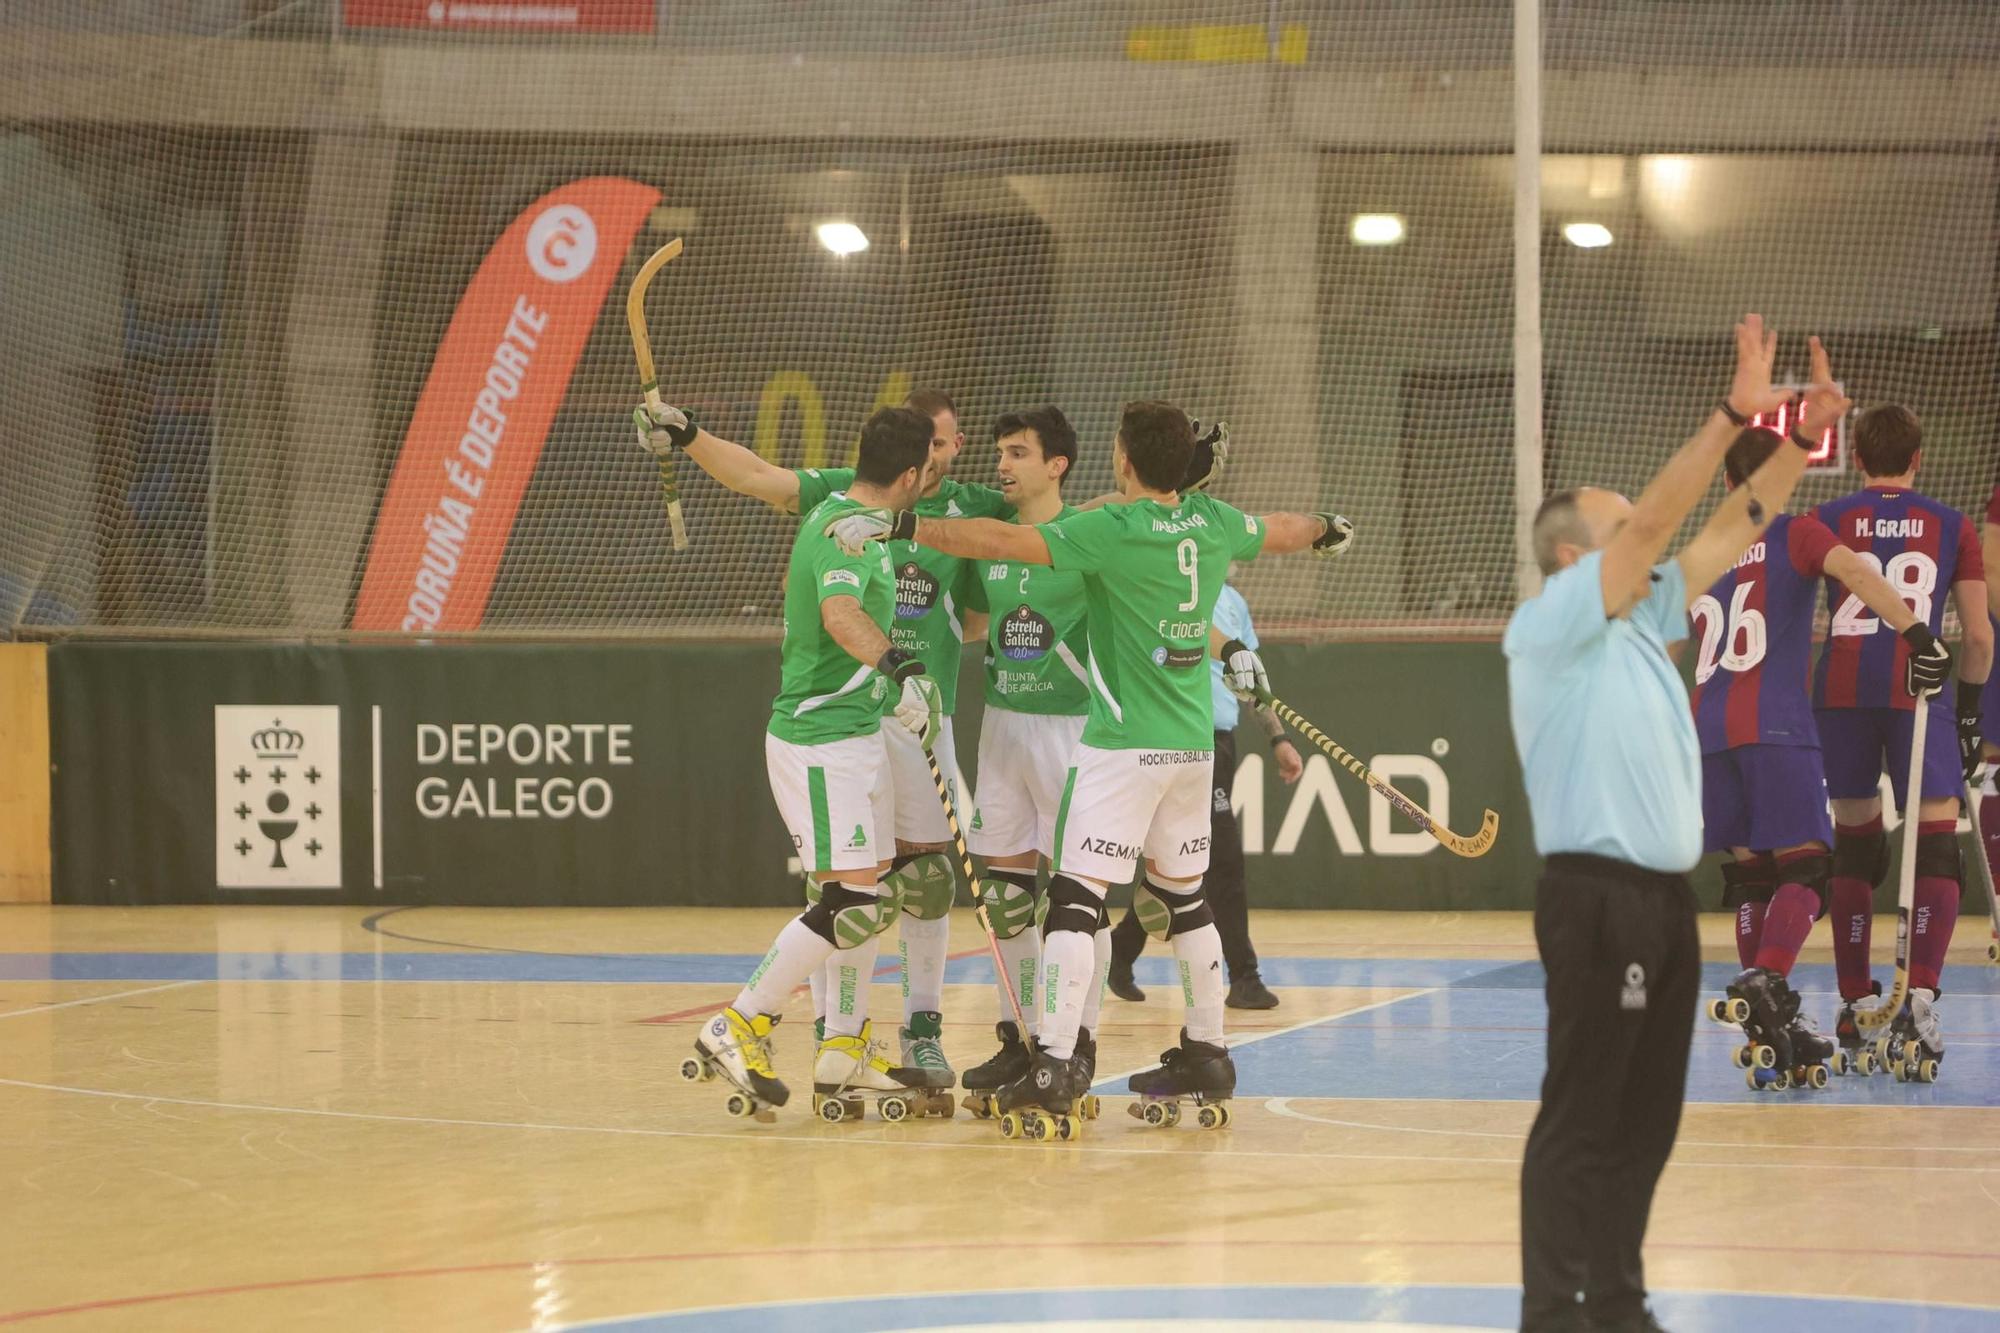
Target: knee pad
(923,884)
(1861,856)
(812,890)
(1166,913)
(1937,856)
(1010,900)
(844,916)
(1746,882)
(1072,906)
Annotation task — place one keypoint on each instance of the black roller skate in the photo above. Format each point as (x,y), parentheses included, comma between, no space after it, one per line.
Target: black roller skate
(1041,1104)
(1195,1071)
(1916,1040)
(1756,1002)
(1008,1063)
(1857,1053)
(1088,1105)
(1811,1048)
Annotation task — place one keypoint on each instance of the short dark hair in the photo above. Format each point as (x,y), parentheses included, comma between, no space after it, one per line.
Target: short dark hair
(1886,439)
(1052,429)
(931,402)
(895,440)
(1752,446)
(1158,441)
(1557,521)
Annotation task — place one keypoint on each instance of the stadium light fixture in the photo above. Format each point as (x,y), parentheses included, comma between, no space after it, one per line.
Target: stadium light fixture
(1587,235)
(841,237)
(1375,229)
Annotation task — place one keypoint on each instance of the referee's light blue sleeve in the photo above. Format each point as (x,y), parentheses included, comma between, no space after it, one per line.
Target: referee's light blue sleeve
(1565,615)
(1665,608)
(1232,617)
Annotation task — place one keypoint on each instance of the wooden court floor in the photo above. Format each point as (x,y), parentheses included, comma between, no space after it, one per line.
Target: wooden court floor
(305,1119)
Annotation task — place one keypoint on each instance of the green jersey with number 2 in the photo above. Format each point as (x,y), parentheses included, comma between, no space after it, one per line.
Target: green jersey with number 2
(1151,575)
(823,693)
(931,588)
(1035,643)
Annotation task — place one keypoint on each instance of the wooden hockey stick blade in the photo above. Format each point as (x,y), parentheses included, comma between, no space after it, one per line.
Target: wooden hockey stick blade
(1984,869)
(649,380)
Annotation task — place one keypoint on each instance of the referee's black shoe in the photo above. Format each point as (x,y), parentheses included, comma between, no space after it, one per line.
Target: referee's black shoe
(1249,992)
(1119,979)
(1642,1322)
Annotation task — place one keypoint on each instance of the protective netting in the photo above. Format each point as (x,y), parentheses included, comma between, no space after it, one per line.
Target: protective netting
(237,233)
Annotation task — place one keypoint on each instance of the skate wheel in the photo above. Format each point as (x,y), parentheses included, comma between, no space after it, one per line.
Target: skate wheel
(1866,1064)
(832,1110)
(1173,1114)
(1068,1128)
(1904,1071)
(1037,1129)
(1090,1106)
(1882,1052)
(1816,1078)
(1010,1126)
(942,1106)
(1227,1114)
(1751,1081)
(1736,1009)
(740,1106)
(1927,1071)
(1718,1011)
(1841,1064)
(1209,1117)
(1765,1057)
(1781,1081)
(1993,952)
(1155,1114)
(693,1070)
(981,1107)
(1741,1056)
(893,1109)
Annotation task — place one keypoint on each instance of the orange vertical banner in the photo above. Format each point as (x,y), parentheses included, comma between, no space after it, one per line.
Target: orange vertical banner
(484,415)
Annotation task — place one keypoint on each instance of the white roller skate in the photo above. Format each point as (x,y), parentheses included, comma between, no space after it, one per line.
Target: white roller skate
(849,1074)
(738,1050)
(1917,1039)
(923,1056)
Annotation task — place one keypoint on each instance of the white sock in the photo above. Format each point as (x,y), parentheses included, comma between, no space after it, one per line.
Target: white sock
(924,946)
(1069,962)
(818,980)
(1022,956)
(1093,1000)
(1202,983)
(795,955)
(849,973)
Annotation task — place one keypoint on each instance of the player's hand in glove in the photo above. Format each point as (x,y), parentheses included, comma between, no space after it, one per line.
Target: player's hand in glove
(853,530)
(1243,672)
(1929,662)
(663,431)
(920,706)
(1339,535)
(1968,728)
(1211,455)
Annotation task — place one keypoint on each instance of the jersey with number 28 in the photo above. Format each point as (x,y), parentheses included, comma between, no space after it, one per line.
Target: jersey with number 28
(1921,547)
(1151,575)
(1753,634)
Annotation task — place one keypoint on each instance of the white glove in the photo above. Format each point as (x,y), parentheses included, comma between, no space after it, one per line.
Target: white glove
(852,531)
(920,707)
(1338,537)
(1243,672)
(662,432)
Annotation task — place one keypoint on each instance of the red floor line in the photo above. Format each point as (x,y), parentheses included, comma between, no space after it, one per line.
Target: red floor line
(930,1247)
(703,1011)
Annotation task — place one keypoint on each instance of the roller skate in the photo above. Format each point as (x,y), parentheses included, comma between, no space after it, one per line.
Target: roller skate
(1917,1039)
(848,1075)
(1008,1063)
(1756,1002)
(1088,1104)
(923,1056)
(738,1050)
(1041,1104)
(1196,1072)
(1857,1053)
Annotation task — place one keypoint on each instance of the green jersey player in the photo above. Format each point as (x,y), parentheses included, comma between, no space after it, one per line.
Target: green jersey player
(828,770)
(1139,783)
(931,590)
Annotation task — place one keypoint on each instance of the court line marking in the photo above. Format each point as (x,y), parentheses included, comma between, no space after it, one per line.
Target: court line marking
(1283,1031)
(100,999)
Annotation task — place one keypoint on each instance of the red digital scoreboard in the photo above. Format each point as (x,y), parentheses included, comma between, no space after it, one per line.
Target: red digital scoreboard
(1830,454)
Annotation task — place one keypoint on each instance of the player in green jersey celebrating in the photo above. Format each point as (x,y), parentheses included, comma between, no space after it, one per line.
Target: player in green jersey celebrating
(829,772)
(931,593)
(1139,782)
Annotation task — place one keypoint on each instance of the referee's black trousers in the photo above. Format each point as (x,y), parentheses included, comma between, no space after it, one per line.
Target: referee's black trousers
(1624,967)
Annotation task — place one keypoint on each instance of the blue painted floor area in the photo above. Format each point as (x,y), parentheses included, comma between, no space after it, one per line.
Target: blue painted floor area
(1303,1306)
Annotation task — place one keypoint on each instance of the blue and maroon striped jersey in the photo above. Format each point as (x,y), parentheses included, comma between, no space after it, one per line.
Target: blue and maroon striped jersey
(1753,631)
(1922,548)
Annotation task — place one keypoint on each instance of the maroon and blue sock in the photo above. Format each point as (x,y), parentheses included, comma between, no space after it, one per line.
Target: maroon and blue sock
(1852,912)
(1789,918)
(1933,915)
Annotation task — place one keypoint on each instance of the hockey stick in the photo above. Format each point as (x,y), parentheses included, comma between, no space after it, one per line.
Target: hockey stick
(1477,845)
(649,380)
(972,881)
(1879,1016)
(1985,870)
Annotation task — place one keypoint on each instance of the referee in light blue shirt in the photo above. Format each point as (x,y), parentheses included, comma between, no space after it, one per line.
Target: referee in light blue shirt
(1613,772)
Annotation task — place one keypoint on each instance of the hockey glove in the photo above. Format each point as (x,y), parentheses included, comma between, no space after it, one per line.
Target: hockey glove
(1968,728)
(1339,535)
(920,705)
(1243,672)
(1930,661)
(663,432)
(1211,454)
(853,530)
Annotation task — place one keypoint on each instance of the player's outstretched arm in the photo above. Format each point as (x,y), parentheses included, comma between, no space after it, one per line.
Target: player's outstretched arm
(1751,507)
(972,538)
(1322,534)
(739,469)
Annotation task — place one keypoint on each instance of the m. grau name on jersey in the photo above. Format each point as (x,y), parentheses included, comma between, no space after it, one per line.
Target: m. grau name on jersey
(489,767)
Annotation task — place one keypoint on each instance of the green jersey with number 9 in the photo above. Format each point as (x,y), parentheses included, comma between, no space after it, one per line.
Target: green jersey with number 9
(1151,575)
(823,693)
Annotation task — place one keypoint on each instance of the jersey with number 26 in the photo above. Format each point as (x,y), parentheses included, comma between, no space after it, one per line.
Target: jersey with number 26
(1151,575)
(1753,633)
(1922,547)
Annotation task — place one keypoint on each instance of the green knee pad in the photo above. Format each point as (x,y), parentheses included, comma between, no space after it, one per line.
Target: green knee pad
(1154,915)
(812,890)
(883,914)
(923,886)
(1010,909)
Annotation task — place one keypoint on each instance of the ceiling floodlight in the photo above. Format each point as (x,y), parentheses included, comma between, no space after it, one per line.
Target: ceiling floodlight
(1587,235)
(841,237)
(1375,229)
